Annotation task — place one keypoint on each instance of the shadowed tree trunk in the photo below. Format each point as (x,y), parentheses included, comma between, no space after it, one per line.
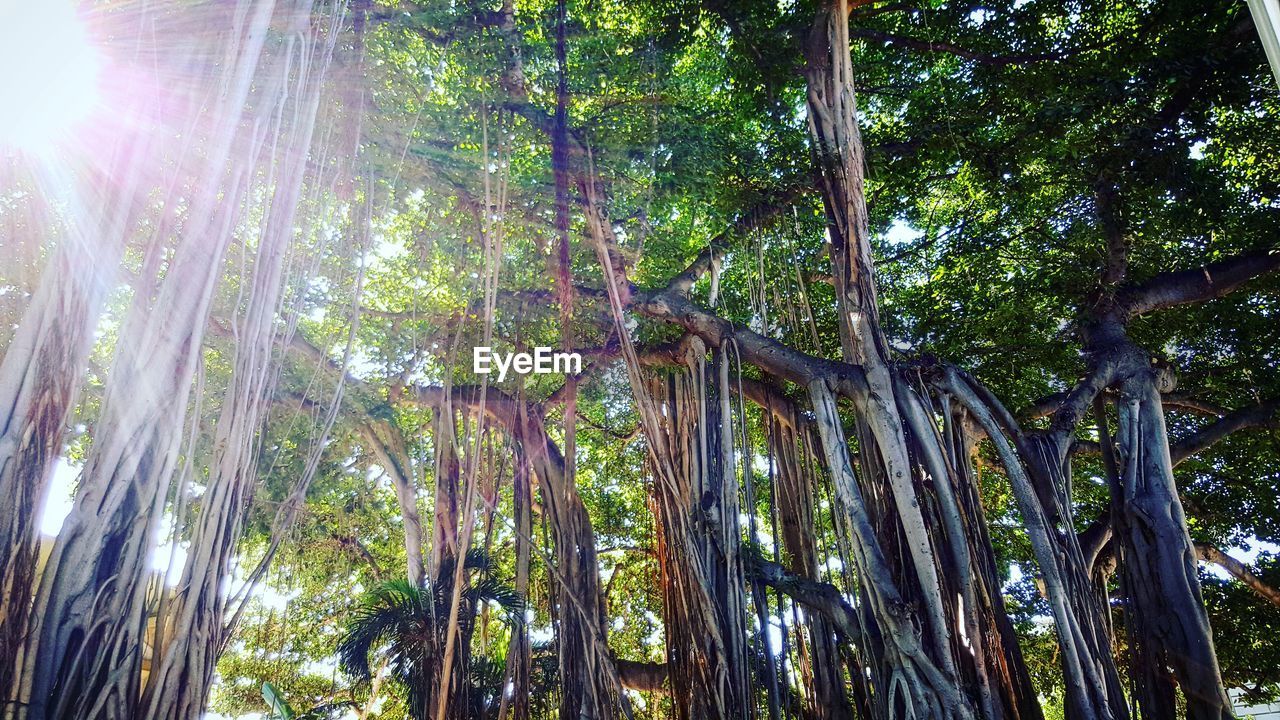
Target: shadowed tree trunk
(444,529)
(825,686)
(928,678)
(591,688)
(1172,643)
(590,685)
(1168,622)
(1038,477)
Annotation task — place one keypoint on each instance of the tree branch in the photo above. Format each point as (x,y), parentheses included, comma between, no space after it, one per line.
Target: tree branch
(1047,405)
(351,545)
(821,597)
(1187,403)
(1186,287)
(1239,571)
(1260,415)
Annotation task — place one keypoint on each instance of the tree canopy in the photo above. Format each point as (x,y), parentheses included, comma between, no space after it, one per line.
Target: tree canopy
(929,363)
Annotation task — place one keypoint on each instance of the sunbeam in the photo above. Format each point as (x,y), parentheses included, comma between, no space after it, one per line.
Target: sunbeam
(49,74)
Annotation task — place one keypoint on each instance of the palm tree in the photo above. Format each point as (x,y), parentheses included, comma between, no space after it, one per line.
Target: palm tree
(405,623)
(280,709)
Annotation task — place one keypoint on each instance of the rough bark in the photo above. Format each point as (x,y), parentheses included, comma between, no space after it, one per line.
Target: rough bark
(698,544)
(84,654)
(910,681)
(194,633)
(795,482)
(588,677)
(1172,643)
(591,688)
(39,380)
(1039,485)
(1168,623)
(1007,666)
(883,446)
(44,363)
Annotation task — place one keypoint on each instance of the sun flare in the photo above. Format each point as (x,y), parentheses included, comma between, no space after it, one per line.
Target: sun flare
(49,74)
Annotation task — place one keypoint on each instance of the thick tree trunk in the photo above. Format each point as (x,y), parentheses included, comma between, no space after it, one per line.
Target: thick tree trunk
(42,370)
(883,445)
(193,630)
(1092,685)
(1168,622)
(44,364)
(698,545)
(1007,665)
(84,655)
(907,679)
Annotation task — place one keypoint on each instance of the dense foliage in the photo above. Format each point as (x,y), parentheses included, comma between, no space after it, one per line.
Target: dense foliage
(1008,144)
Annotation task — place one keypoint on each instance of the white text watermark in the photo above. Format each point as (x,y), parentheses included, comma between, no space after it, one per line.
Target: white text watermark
(542,361)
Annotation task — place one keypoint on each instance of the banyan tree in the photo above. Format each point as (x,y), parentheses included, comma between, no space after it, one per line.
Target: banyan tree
(924,360)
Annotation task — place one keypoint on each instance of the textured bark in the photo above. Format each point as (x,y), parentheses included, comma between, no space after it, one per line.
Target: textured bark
(39,379)
(1169,625)
(588,676)
(890,489)
(909,680)
(84,656)
(1006,664)
(1169,633)
(886,609)
(444,529)
(824,684)
(194,631)
(643,677)
(448,691)
(698,544)
(590,686)
(1038,479)
(44,364)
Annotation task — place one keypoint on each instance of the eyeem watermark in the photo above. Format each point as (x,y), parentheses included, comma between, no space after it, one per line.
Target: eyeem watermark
(543,361)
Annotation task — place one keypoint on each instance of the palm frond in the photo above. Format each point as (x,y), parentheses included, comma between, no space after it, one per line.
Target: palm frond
(495,591)
(390,612)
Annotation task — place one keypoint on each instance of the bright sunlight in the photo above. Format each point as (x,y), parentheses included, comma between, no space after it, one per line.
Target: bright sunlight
(49,74)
